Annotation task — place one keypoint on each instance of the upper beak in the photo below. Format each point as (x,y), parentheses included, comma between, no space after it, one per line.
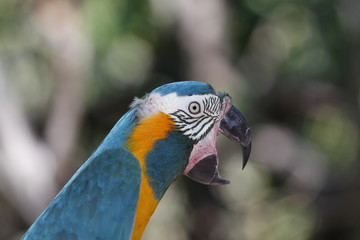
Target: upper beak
(235,127)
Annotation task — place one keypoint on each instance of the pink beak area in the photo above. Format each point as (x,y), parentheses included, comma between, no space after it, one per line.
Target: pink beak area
(203,161)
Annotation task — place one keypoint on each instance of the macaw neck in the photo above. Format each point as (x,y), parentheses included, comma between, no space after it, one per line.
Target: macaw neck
(163,154)
(120,133)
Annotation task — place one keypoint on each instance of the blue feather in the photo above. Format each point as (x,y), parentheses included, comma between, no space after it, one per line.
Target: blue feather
(99,201)
(185,88)
(119,134)
(167,160)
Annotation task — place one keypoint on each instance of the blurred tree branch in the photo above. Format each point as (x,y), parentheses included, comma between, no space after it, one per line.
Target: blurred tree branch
(29,164)
(70,57)
(204,37)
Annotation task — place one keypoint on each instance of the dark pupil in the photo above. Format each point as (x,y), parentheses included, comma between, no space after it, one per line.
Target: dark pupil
(194,107)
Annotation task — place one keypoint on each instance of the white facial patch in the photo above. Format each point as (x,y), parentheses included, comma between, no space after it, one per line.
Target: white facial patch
(193,115)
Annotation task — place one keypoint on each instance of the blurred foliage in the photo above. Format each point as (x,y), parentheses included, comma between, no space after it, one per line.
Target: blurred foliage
(299,61)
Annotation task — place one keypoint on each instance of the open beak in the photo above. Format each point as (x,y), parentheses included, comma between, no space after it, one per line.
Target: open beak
(235,127)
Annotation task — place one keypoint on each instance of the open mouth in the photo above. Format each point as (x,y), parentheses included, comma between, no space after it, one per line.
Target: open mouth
(204,162)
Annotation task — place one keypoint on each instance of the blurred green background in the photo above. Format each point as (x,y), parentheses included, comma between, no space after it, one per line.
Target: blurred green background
(69,70)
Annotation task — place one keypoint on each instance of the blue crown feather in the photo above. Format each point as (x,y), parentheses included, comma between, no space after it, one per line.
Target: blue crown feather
(185,88)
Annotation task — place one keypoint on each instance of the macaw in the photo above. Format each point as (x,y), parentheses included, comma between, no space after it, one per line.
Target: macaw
(169,132)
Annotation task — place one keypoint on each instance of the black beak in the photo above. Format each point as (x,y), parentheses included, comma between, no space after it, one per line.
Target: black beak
(235,127)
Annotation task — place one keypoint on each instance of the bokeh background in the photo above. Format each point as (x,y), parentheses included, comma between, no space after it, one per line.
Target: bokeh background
(70,68)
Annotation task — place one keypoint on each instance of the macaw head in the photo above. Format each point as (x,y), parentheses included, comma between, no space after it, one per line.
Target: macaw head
(194,115)
(169,132)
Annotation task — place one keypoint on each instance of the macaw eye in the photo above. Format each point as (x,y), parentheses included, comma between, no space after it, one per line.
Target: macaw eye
(194,107)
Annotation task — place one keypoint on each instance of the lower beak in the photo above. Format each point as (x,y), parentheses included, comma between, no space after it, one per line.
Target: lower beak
(206,172)
(235,127)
